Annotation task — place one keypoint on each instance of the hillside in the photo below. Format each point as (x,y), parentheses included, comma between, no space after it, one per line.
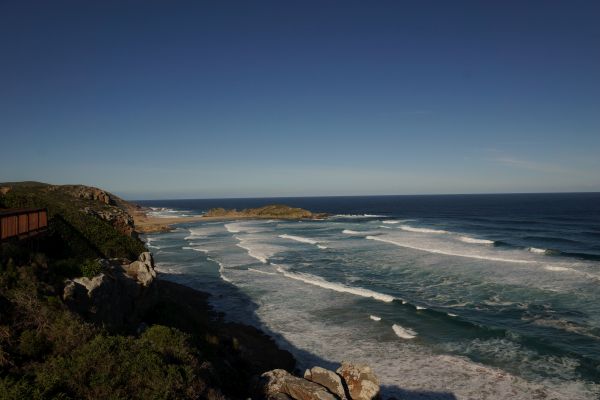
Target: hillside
(83,314)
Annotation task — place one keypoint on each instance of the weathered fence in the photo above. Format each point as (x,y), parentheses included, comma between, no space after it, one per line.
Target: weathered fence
(22,223)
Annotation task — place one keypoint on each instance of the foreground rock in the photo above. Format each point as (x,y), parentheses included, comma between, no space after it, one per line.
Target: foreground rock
(279,381)
(276,211)
(351,382)
(327,378)
(117,297)
(361,381)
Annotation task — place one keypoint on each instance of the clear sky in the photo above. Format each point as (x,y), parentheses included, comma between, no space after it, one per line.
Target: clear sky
(171,99)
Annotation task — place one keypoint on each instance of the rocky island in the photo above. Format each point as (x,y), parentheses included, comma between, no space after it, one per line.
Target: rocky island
(84,314)
(274,211)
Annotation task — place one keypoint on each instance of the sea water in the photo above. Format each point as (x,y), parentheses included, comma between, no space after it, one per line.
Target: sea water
(471,296)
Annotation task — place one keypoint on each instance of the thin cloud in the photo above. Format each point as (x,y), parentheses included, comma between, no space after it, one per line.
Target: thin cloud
(531,165)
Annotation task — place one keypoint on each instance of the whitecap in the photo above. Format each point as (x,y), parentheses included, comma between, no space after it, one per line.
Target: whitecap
(449,253)
(375,317)
(261,272)
(298,239)
(254,253)
(195,249)
(338,287)
(404,333)
(351,232)
(232,228)
(420,308)
(536,250)
(409,228)
(468,239)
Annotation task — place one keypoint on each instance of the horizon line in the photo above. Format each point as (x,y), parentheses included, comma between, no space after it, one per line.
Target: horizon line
(361,195)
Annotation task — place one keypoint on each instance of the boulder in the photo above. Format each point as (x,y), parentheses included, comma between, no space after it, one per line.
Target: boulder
(327,378)
(143,269)
(117,297)
(360,380)
(278,382)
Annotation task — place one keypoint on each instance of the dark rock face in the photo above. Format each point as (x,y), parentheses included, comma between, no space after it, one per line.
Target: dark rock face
(351,382)
(119,296)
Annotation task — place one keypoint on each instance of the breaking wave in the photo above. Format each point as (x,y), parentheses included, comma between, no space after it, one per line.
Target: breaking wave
(338,287)
(404,333)
(409,228)
(468,239)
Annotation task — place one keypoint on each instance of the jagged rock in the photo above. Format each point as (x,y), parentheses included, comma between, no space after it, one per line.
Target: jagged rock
(92,193)
(4,190)
(360,380)
(143,269)
(279,381)
(327,378)
(116,297)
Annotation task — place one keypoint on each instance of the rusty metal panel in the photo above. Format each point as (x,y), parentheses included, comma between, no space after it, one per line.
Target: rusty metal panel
(43,219)
(9,226)
(23,223)
(33,221)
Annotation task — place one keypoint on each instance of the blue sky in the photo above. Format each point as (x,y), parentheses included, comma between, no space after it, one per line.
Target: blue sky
(155,99)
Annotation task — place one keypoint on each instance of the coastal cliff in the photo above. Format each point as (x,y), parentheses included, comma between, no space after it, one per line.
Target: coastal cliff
(84,314)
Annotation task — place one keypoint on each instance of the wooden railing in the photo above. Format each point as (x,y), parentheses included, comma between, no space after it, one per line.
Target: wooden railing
(22,223)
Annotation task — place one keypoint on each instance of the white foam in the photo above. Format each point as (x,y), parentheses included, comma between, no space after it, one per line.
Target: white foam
(232,228)
(298,239)
(320,246)
(221,270)
(468,239)
(391,221)
(375,317)
(358,216)
(351,232)
(536,250)
(451,314)
(254,254)
(449,253)
(420,308)
(385,227)
(555,268)
(404,333)
(195,249)
(261,272)
(409,228)
(338,287)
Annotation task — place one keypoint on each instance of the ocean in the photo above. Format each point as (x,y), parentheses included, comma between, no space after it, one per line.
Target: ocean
(449,296)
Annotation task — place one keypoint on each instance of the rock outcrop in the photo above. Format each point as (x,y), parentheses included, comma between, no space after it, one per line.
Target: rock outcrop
(351,382)
(92,193)
(327,378)
(360,380)
(280,382)
(118,296)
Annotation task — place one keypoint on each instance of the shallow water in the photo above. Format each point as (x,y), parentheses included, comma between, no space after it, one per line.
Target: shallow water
(466,296)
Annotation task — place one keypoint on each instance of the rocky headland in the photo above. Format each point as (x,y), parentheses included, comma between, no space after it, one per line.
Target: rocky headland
(80,319)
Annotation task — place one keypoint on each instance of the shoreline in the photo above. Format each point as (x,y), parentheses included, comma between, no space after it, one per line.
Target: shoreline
(146,224)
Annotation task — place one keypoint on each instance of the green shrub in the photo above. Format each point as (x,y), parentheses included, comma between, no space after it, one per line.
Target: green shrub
(91,268)
(33,344)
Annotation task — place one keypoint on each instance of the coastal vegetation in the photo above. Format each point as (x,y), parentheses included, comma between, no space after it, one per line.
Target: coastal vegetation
(52,346)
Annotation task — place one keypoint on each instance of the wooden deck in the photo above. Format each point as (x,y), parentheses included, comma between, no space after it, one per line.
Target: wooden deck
(22,223)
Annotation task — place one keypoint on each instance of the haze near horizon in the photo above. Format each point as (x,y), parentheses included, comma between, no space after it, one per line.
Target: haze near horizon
(253,99)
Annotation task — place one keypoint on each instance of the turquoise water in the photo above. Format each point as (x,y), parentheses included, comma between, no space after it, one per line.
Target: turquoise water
(488,295)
